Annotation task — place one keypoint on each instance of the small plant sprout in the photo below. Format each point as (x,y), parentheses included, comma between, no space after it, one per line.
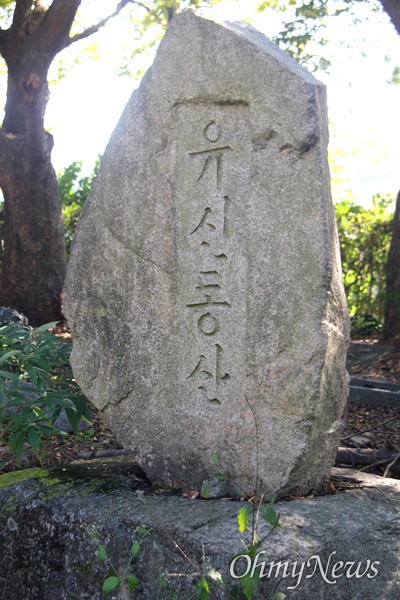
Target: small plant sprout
(125,579)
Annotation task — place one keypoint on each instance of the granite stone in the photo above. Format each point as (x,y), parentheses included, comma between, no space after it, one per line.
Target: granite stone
(204,287)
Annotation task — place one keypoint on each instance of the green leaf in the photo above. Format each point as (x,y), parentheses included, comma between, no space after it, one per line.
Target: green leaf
(19,448)
(215,457)
(34,439)
(202,589)
(18,433)
(11,354)
(80,405)
(135,549)
(45,327)
(12,376)
(73,418)
(243,517)
(42,363)
(205,492)
(162,583)
(270,516)
(33,376)
(278,596)
(101,553)
(249,584)
(111,583)
(132,582)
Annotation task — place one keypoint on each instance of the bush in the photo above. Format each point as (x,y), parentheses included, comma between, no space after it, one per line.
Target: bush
(37,356)
(74,190)
(364,235)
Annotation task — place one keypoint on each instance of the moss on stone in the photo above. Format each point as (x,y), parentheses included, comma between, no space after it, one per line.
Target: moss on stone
(8,508)
(17,476)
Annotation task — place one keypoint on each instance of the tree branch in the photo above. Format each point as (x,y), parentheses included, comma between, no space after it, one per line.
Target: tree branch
(368,456)
(94,28)
(11,38)
(57,24)
(21,13)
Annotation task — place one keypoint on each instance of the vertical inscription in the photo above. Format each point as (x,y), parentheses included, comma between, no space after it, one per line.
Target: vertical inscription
(211,227)
(211,158)
(213,162)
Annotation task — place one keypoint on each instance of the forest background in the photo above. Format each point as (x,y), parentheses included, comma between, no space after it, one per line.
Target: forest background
(93,64)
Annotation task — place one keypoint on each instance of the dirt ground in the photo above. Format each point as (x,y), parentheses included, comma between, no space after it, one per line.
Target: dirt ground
(375,428)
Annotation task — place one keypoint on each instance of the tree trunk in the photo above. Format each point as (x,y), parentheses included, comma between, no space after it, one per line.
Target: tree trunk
(391,327)
(34,262)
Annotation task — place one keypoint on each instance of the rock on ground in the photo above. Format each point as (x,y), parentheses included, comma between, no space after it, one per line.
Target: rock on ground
(52,523)
(204,290)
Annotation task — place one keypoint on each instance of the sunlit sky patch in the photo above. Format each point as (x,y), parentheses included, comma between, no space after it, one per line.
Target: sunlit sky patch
(85,105)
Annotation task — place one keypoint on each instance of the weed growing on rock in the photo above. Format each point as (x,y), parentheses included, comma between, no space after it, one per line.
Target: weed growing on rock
(115,579)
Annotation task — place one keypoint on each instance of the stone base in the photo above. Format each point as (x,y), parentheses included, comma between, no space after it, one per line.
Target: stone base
(52,522)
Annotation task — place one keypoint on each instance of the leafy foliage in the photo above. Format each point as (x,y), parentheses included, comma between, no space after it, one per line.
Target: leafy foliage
(395,79)
(364,235)
(306,23)
(6,11)
(74,190)
(41,358)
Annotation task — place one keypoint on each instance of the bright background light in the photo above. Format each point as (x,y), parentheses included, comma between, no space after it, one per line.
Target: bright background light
(365,131)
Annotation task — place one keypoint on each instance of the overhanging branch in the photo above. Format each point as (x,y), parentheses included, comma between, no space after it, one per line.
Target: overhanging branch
(21,14)
(53,31)
(94,28)
(10,38)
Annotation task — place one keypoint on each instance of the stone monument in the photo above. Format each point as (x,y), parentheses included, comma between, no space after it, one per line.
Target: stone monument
(204,288)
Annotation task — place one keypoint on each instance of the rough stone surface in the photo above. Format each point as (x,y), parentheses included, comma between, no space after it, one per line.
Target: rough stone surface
(10,315)
(204,289)
(51,527)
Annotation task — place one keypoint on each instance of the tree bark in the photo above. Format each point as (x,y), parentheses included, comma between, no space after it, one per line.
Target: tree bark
(391,327)
(34,259)
(34,262)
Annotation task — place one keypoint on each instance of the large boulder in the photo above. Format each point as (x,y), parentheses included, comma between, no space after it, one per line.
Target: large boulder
(340,547)
(204,289)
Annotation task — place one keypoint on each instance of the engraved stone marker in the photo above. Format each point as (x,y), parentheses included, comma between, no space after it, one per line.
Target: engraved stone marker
(204,290)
